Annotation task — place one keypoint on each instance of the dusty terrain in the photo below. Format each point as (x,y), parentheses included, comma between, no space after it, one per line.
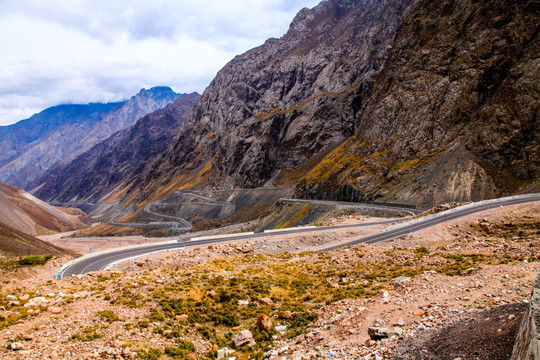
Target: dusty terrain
(464,282)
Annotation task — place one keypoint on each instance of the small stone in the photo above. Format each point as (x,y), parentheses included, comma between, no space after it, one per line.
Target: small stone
(242,338)
(371,343)
(54,310)
(266,301)
(182,318)
(221,353)
(54,355)
(243,302)
(285,315)
(377,333)
(419,313)
(191,357)
(264,323)
(400,322)
(11,298)
(211,294)
(16,346)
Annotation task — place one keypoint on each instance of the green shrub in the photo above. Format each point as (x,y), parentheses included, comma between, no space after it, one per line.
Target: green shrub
(34,260)
(184,347)
(108,315)
(150,354)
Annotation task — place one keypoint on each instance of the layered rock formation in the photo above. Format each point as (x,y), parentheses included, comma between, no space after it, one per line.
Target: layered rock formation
(59,134)
(272,109)
(453,116)
(112,163)
(411,101)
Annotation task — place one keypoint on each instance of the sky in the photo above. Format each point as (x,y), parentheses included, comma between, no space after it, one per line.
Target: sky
(79,51)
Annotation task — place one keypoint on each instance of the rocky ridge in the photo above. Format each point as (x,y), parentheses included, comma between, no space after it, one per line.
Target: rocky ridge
(110,164)
(272,109)
(370,100)
(452,115)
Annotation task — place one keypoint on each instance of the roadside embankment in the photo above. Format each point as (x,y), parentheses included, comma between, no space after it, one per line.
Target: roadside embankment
(527,346)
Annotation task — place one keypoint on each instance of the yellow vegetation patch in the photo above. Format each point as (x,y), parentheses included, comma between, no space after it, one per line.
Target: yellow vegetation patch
(346,160)
(296,217)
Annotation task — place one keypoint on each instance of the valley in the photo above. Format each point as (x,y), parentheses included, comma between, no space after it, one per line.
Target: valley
(365,186)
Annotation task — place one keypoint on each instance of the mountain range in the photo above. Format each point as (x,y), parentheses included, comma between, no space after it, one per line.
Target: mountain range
(415,102)
(370,101)
(57,135)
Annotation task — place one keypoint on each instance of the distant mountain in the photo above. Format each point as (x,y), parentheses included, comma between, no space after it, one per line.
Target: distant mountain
(111,164)
(59,134)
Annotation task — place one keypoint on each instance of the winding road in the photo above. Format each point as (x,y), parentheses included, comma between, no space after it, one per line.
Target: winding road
(104,260)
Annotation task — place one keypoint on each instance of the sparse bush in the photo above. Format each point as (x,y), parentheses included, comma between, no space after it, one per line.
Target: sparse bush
(34,260)
(108,315)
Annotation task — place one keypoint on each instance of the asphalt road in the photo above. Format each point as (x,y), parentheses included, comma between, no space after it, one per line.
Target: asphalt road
(100,261)
(437,219)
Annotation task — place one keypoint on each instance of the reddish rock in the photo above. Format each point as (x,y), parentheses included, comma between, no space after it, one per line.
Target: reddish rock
(264,323)
(54,310)
(266,301)
(285,315)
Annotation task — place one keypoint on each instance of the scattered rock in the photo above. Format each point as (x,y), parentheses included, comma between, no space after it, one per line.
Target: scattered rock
(191,357)
(16,346)
(419,313)
(378,333)
(266,301)
(221,353)
(54,310)
(182,318)
(285,315)
(242,338)
(211,294)
(36,302)
(11,298)
(264,323)
(400,322)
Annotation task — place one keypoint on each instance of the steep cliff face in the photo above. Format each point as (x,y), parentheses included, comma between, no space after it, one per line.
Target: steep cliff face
(453,115)
(272,109)
(112,163)
(60,134)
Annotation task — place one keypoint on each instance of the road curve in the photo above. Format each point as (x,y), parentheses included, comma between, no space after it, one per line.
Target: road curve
(429,221)
(101,261)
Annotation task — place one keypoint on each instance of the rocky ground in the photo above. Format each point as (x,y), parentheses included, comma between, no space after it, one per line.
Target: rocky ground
(454,291)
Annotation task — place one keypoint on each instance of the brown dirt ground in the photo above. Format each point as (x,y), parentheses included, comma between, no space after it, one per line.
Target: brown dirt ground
(440,313)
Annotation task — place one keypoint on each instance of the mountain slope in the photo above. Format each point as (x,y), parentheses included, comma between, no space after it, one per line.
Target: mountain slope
(110,164)
(59,134)
(17,243)
(21,211)
(272,109)
(453,115)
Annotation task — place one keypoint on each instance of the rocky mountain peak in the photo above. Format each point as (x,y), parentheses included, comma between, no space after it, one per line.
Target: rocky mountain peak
(59,134)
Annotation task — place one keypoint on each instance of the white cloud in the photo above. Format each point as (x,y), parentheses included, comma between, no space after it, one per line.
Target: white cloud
(64,51)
